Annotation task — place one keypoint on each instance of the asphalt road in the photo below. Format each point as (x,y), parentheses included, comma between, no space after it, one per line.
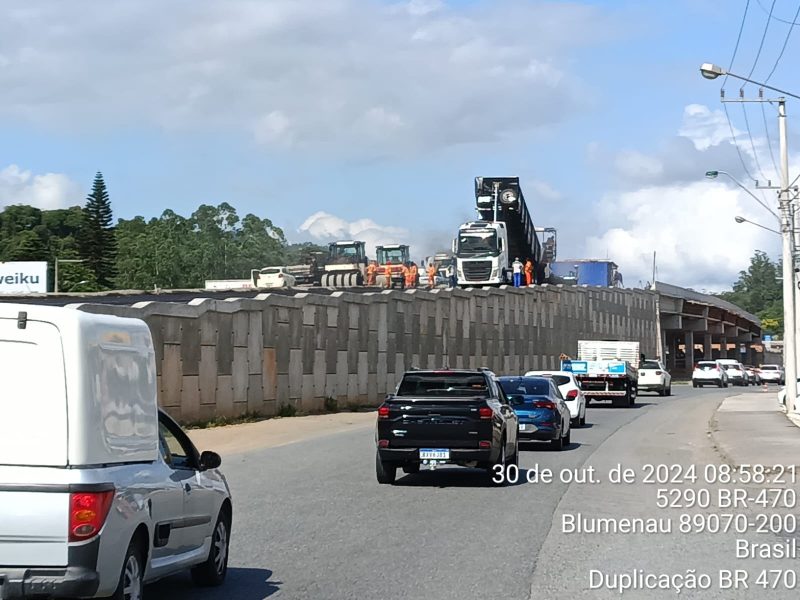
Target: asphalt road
(311,522)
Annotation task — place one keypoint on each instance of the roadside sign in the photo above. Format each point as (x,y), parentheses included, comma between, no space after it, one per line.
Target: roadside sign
(23,277)
(767,338)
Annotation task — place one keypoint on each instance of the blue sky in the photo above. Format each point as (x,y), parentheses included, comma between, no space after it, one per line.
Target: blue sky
(379,114)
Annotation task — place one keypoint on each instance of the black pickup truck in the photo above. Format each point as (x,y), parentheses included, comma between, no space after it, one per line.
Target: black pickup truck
(459,417)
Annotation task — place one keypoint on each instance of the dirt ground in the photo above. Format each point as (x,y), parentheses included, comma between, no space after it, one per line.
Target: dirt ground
(234,439)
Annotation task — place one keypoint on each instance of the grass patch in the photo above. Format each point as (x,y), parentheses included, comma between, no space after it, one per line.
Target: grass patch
(331,405)
(287,410)
(248,417)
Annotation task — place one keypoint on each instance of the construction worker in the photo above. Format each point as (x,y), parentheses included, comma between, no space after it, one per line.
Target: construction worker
(412,275)
(431,275)
(528,272)
(372,272)
(517,269)
(387,273)
(406,275)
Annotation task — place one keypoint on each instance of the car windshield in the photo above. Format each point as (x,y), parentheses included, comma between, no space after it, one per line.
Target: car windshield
(706,365)
(273,271)
(447,384)
(396,255)
(769,367)
(477,243)
(526,386)
(650,364)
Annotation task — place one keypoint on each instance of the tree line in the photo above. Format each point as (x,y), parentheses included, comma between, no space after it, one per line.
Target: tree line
(169,251)
(759,290)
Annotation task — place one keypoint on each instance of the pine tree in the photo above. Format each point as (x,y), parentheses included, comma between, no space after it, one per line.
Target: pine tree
(97,240)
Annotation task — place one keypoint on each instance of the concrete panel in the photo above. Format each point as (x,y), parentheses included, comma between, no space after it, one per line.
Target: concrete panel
(190,398)
(241,373)
(172,376)
(208,375)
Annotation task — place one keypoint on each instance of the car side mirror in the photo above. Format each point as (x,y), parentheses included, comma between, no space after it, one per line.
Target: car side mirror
(209,460)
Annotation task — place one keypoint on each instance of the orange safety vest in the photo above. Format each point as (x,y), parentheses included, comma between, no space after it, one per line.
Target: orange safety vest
(387,271)
(431,272)
(372,269)
(529,267)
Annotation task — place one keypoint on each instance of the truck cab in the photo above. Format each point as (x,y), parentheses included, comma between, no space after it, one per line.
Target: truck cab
(398,255)
(481,251)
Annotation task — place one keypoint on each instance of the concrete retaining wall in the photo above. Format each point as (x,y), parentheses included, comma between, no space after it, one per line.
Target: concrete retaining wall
(253,355)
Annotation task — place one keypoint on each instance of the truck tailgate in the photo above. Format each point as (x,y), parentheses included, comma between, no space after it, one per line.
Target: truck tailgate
(33,529)
(454,423)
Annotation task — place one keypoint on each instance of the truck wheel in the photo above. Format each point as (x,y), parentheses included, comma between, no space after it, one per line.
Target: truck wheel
(131,579)
(385,472)
(212,572)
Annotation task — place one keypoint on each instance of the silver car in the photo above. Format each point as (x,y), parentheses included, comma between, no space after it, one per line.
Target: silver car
(100,491)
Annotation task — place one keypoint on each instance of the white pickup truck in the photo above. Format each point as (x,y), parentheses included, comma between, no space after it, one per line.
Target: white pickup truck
(100,492)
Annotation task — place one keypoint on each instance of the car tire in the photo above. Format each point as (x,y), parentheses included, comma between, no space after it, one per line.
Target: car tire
(212,571)
(502,460)
(131,578)
(411,469)
(568,438)
(669,390)
(694,384)
(557,443)
(582,422)
(385,472)
(514,458)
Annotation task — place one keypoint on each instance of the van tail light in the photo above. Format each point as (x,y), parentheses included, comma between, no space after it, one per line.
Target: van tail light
(658,372)
(484,444)
(87,513)
(572,394)
(544,404)
(383,412)
(485,412)
(280,275)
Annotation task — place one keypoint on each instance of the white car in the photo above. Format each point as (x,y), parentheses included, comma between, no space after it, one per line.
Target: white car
(100,491)
(571,390)
(709,372)
(275,277)
(772,374)
(782,393)
(735,371)
(653,376)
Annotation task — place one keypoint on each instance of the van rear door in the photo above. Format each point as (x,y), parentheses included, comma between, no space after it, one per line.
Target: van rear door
(33,436)
(33,402)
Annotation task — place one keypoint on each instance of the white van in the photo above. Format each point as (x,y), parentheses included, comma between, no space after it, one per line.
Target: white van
(100,491)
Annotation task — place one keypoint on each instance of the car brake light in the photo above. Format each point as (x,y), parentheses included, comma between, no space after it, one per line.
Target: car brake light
(87,513)
(383,412)
(483,444)
(696,365)
(383,443)
(280,275)
(544,404)
(485,412)
(572,394)
(658,372)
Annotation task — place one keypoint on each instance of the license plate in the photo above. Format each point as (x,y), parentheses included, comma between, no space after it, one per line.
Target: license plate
(434,454)
(527,427)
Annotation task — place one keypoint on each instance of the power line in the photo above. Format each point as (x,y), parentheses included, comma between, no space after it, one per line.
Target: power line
(736,144)
(769,141)
(752,142)
(738,39)
(785,43)
(761,45)
(764,8)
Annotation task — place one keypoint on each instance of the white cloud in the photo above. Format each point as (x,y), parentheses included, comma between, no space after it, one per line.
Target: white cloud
(541,190)
(47,191)
(356,76)
(324,227)
(691,228)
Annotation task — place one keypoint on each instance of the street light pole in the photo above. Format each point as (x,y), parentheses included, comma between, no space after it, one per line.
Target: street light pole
(743,220)
(711,71)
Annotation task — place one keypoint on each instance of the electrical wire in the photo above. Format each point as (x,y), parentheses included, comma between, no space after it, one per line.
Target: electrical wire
(764,8)
(752,142)
(736,47)
(761,45)
(769,141)
(736,144)
(783,49)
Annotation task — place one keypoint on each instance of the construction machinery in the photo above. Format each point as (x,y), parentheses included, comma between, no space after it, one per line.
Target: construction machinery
(310,271)
(398,255)
(346,264)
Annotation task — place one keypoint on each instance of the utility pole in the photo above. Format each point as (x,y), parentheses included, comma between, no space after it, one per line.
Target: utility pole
(790,318)
(790,332)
